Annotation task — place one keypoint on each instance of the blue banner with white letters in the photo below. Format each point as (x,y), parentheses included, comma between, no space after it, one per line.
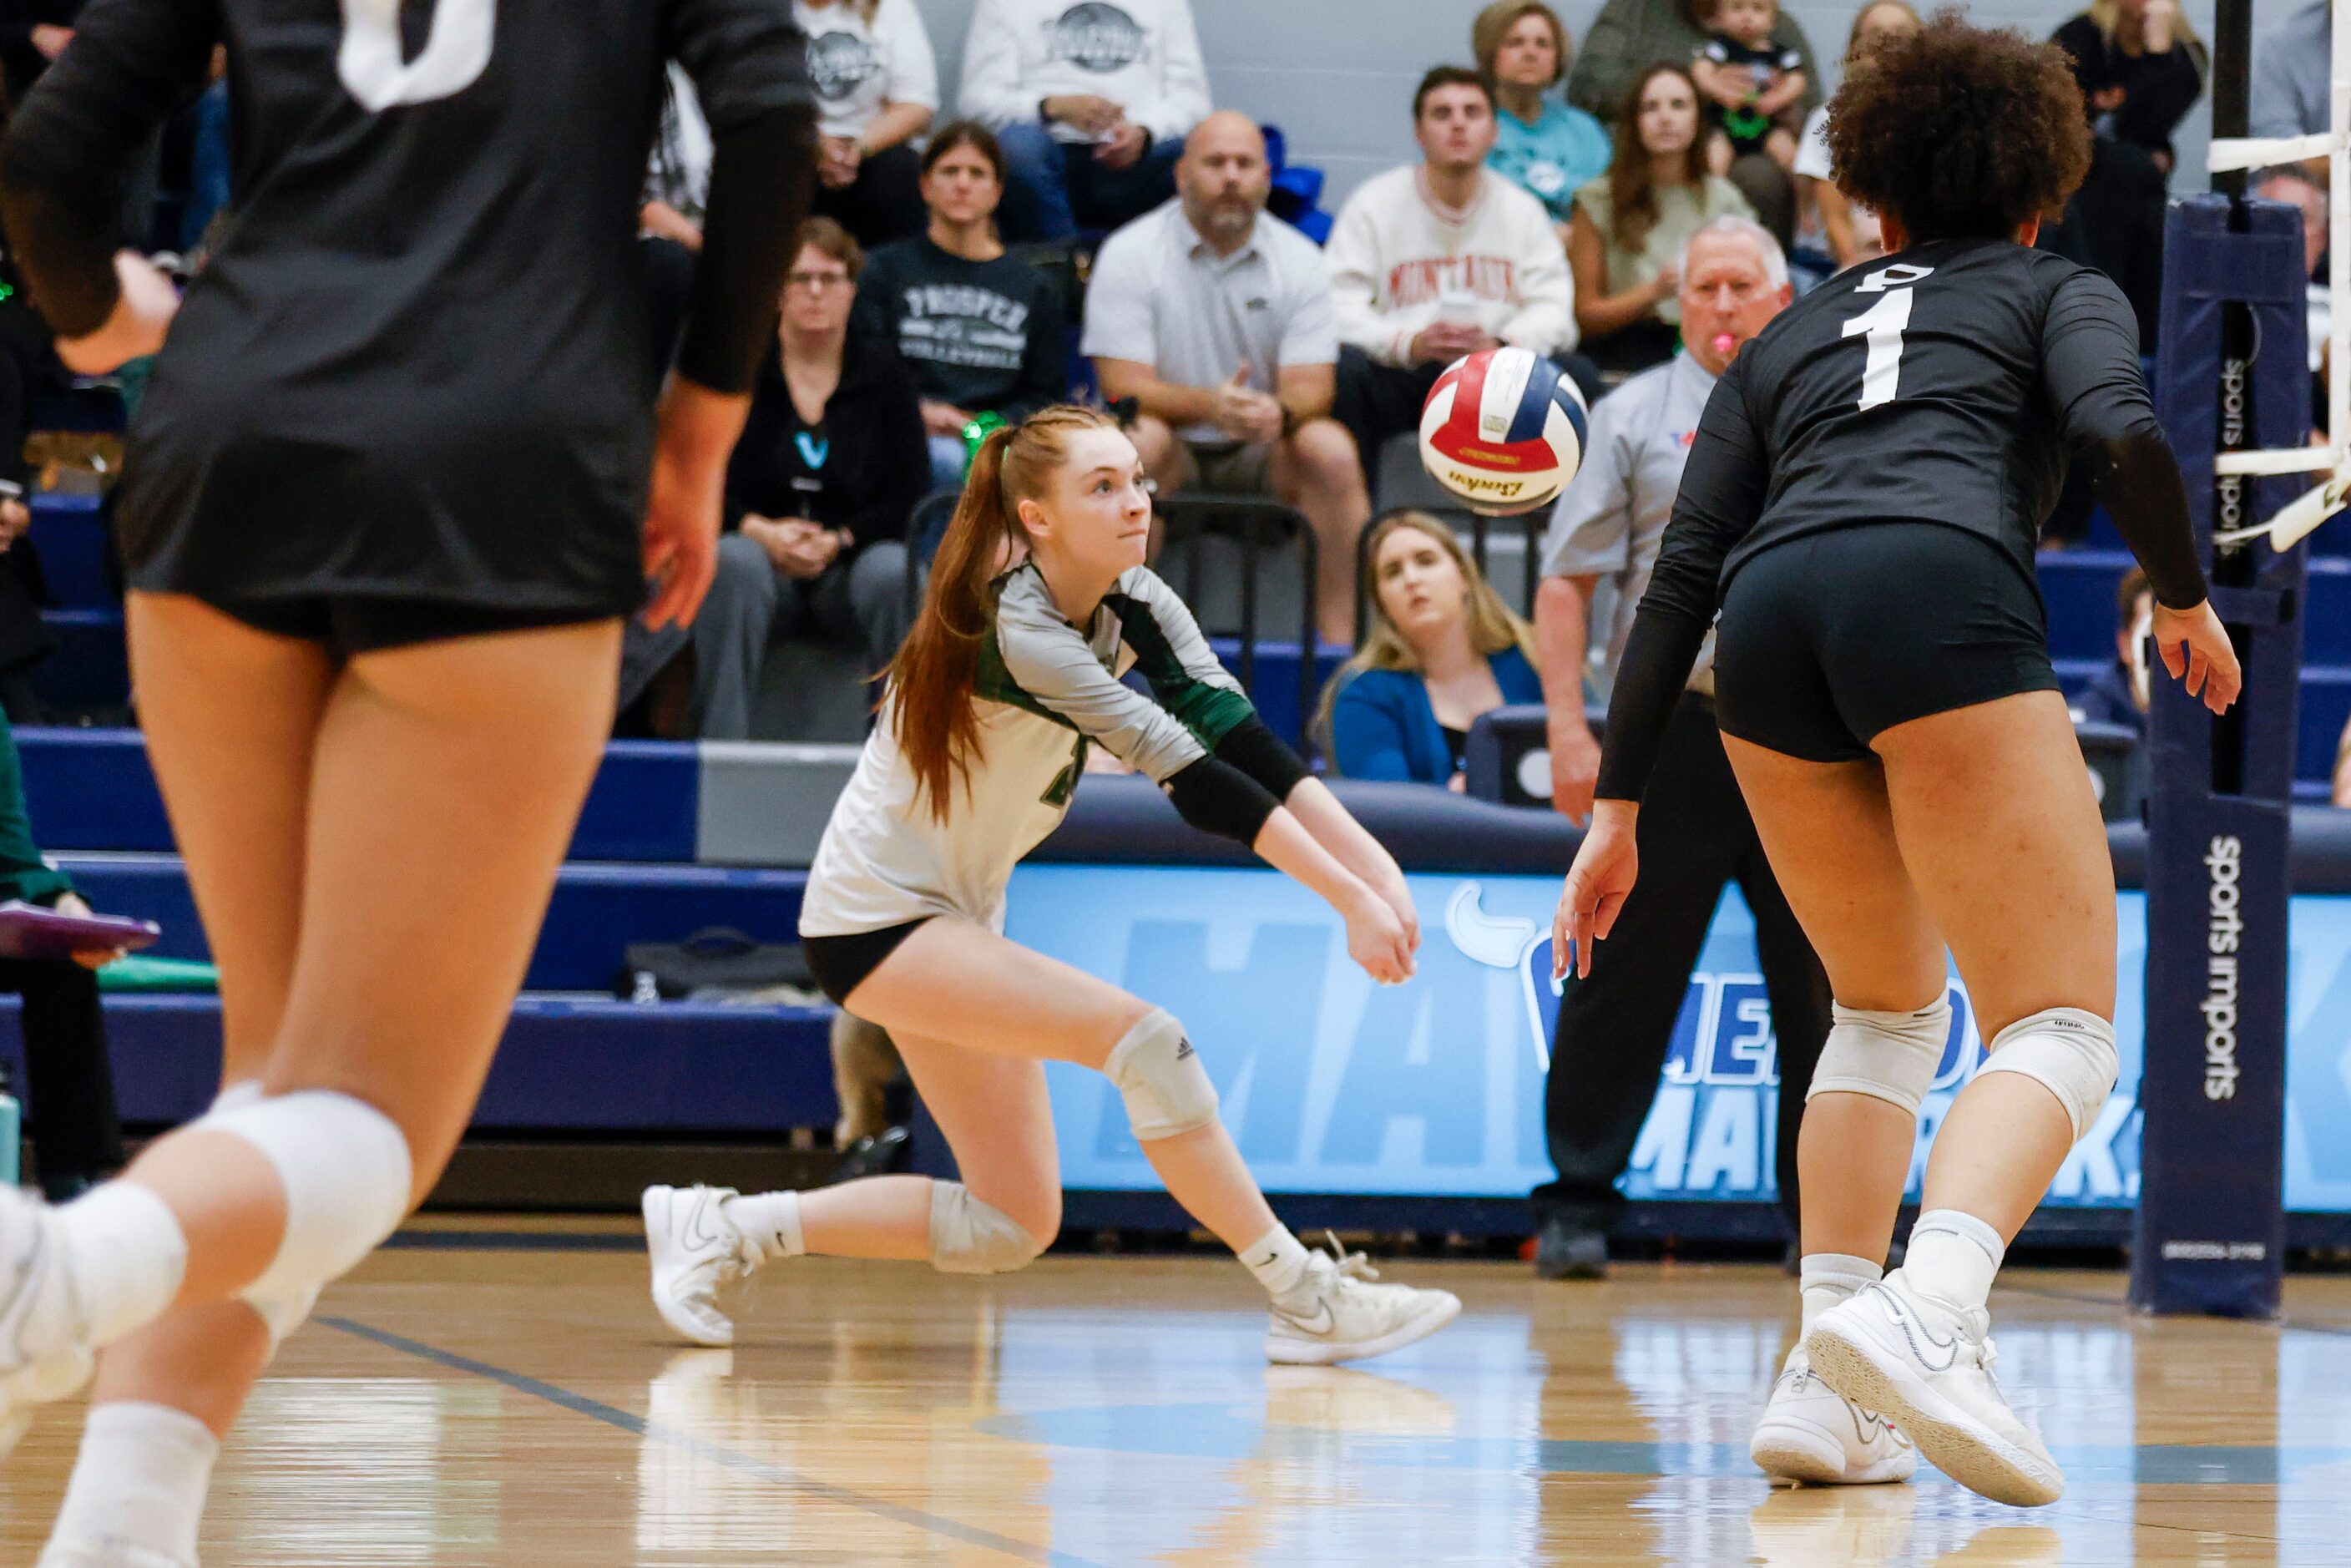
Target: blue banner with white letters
(1333,1084)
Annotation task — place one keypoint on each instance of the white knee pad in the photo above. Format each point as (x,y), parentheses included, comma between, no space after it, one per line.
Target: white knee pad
(346,1169)
(1889,1056)
(970,1237)
(281,1315)
(2067,1051)
(1167,1090)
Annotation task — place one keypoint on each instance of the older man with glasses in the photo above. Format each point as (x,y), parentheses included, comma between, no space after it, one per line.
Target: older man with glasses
(1617,1024)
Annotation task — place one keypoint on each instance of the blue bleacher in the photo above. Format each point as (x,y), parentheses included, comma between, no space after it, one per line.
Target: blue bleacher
(570,1062)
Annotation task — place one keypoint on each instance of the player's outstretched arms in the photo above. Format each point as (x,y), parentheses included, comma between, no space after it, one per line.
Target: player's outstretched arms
(1334,827)
(1376,938)
(1597,886)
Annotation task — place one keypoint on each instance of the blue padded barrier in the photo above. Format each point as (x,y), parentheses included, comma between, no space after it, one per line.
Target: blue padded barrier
(1128,822)
(596,911)
(567,1064)
(2078,585)
(93,789)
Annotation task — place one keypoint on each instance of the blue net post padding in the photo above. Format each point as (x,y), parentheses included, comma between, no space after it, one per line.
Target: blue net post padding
(2233,372)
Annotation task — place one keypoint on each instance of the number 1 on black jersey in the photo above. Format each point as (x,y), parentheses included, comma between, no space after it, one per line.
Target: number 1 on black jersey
(1882,324)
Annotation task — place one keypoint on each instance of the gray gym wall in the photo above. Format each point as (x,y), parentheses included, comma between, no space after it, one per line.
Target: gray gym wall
(1337,75)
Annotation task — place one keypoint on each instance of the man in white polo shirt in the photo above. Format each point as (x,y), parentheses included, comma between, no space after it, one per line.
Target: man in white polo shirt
(1215,318)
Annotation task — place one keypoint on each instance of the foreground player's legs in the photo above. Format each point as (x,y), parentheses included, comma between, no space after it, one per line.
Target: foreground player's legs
(2001,837)
(952,980)
(1829,833)
(164,1395)
(444,785)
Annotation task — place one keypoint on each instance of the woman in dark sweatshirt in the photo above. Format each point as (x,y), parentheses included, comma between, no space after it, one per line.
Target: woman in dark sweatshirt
(983,331)
(827,471)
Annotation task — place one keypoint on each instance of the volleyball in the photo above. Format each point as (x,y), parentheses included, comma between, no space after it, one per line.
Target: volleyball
(1503,430)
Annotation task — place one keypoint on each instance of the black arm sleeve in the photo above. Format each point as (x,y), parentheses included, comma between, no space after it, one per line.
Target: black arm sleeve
(74,138)
(2090,363)
(762,169)
(1721,495)
(1260,753)
(1218,797)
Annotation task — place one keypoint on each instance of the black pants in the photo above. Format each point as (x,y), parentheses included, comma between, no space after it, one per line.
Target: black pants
(1376,402)
(1617,1024)
(884,203)
(69,1087)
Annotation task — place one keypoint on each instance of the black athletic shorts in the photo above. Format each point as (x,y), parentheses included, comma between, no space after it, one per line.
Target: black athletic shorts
(351,624)
(1828,638)
(841,963)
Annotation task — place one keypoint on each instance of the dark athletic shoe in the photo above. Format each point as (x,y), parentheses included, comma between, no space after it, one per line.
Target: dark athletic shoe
(1566,1250)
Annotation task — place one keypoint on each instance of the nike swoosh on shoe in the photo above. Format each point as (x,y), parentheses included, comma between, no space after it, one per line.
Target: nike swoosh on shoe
(1317,1329)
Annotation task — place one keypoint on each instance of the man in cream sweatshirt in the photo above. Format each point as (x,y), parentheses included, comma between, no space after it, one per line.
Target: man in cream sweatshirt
(1441,258)
(1092,100)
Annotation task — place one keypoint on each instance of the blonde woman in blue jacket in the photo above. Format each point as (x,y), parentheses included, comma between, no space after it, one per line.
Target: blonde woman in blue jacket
(1442,649)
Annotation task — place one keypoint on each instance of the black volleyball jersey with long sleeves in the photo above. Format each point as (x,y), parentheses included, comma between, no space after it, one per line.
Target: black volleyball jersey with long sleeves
(1949,384)
(415,361)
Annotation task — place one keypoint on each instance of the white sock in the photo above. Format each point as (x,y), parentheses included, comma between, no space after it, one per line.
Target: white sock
(1828,1278)
(129,1257)
(769,1221)
(1953,1257)
(1277,1258)
(140,1482)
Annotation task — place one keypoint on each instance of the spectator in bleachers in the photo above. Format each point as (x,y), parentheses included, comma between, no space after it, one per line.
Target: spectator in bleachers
(1215,318)
(668,219)
(1549,147)
(1848,233)
(70,1101)
(1752,87)
(1442,650)
(2293,184)
(2343,769)
(1435,260)
(1617,1024)
(983,331)
(33,37)
(2141,68)
(2294,73)
(827,471)
(1630,36)
(1092,103)
(877,86)
(2118,693)
(1630,225)
(2113,223)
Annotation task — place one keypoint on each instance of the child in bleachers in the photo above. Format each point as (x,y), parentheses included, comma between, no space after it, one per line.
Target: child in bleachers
(1755,87)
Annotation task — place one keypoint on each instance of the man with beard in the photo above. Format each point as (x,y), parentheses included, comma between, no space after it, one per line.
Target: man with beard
(1215,318)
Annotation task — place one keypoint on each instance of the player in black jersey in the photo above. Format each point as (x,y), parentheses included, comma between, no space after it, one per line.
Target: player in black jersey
(398,478)
(1862,505)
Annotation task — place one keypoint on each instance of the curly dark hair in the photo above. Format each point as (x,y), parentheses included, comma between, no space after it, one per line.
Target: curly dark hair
(1960,132)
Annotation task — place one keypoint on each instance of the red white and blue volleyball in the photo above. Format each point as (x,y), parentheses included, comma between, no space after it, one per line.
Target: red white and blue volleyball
(1503,431)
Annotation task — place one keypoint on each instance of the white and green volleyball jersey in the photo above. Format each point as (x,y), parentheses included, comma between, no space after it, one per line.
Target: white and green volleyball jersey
(1048,689)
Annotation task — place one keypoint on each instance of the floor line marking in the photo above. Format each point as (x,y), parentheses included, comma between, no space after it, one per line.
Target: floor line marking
(702,1449)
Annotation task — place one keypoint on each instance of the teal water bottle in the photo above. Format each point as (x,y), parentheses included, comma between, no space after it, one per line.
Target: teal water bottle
(12,1134)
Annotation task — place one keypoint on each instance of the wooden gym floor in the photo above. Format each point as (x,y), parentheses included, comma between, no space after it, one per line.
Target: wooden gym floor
(511,1400)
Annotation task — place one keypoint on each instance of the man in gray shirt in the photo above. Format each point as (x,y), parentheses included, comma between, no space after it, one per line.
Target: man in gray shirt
(1616,1025)
(1216,319)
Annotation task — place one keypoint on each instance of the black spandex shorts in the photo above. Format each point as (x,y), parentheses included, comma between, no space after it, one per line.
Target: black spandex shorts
(841,963)
(350,624)
(1828,638)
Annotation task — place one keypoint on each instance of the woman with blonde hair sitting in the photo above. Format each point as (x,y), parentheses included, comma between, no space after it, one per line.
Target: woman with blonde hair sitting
(1442,649)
